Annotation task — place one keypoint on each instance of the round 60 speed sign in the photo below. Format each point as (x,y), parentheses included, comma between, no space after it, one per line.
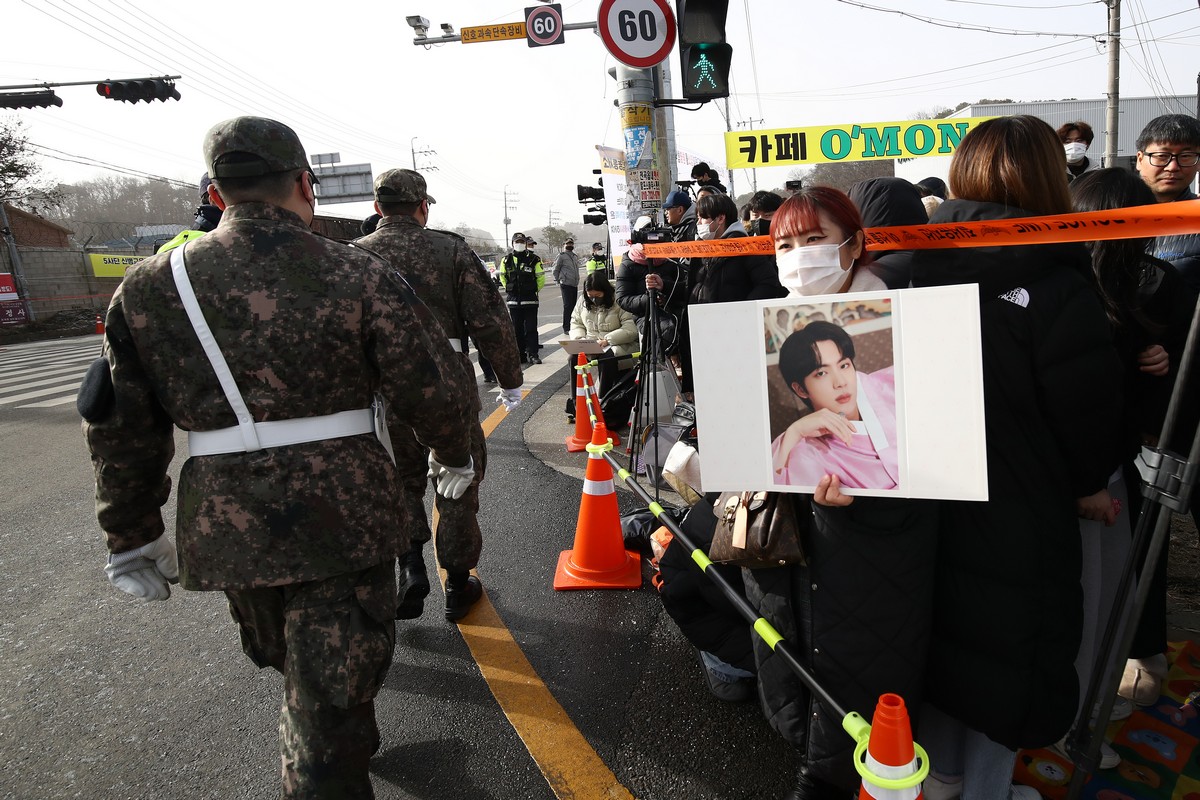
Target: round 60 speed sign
(638,33)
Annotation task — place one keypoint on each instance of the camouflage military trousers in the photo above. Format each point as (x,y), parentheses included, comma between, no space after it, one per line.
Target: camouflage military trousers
(459,540)
(333,641)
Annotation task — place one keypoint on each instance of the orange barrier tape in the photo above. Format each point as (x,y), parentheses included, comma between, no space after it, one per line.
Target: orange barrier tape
(1161,219)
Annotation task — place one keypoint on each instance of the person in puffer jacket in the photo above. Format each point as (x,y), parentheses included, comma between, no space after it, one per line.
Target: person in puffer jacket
(597,316)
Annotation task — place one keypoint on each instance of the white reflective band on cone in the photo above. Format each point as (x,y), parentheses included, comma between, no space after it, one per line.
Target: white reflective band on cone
(887,771)
(581,391)
(599,489)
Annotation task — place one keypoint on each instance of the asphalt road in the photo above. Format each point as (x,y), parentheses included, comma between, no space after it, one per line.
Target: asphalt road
(105,697)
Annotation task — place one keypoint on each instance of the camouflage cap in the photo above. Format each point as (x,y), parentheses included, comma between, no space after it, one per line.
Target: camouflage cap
(246,147)
(401,186)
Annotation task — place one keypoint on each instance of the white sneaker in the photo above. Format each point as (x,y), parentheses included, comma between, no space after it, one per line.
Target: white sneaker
(936,789)
(1122,709)
(1019,792)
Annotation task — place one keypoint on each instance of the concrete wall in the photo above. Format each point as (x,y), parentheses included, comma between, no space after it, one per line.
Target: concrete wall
(59,280)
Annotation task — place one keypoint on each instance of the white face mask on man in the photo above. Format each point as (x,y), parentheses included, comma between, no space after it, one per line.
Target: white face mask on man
(1075,151)
(815,269)
(519,247)
(704,230)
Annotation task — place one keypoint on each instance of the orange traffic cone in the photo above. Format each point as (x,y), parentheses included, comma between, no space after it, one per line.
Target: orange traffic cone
(598,559)
(99,324)
(895,765)
(578,441)
(593,397)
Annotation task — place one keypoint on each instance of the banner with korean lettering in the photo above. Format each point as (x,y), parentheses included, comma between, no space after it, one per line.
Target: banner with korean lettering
(866,141)
(616,200)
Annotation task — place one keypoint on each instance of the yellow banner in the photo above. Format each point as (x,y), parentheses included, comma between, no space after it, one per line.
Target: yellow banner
(1136,222)
(492,33)
(822,144)
(110,266)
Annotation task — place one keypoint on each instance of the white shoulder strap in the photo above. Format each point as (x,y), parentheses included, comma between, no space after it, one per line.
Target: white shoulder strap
(213,351)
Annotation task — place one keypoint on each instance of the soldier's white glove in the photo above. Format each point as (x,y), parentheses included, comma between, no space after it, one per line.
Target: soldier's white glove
(145,572)
(510,397)
(452,482)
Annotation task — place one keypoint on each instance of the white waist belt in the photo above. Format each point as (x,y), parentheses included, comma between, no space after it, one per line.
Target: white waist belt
(278,433)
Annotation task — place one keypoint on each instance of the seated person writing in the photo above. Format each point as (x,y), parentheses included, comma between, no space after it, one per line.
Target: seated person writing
(597,316)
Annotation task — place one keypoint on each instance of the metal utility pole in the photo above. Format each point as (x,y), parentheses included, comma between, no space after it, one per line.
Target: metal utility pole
(635,99)
(753,172)
(1112,118)
(553,217)
(415,152)
(728,128)
(664,126)
(508,205)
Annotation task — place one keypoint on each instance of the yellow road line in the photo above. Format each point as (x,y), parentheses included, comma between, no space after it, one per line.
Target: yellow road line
(568,762)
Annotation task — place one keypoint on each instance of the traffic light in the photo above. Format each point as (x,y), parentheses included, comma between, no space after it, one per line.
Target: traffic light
(42,99)
(704,57)
(589,194)
(150,89)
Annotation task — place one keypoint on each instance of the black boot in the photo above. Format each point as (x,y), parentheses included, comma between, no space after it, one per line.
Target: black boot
(463,590)
(414,585)
(810,787)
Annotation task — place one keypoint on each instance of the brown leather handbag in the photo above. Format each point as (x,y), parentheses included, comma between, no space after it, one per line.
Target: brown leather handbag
(756,530)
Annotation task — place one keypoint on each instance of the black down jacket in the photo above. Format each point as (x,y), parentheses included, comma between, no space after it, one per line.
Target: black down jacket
(857,616)
(1008,603)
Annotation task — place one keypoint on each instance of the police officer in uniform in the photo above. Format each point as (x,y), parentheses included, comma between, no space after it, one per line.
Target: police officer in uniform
(522,279)
(453,283)
(290,504)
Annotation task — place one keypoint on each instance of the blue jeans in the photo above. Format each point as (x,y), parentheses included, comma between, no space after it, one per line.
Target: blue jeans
(956,751)
(723,671)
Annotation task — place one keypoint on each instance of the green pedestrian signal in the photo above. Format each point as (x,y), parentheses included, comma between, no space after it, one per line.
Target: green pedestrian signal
(704,55)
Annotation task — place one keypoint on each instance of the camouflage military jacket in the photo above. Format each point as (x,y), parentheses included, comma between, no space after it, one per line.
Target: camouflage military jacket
(451,280)
(308,327)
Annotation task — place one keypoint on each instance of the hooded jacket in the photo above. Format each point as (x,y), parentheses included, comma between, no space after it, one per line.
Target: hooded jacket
(1007,610)
(727,279)
(884,202)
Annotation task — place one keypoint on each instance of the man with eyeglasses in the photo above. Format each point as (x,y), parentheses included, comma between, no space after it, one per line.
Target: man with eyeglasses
(1168,158)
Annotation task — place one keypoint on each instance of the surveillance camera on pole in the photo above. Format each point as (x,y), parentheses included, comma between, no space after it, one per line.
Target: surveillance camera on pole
(419,24)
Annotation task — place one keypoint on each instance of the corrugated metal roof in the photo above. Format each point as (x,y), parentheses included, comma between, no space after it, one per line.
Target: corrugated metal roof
(1134,113)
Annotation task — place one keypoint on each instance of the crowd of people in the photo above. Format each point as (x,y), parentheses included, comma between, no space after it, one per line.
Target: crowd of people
(294,438)
(1081,348)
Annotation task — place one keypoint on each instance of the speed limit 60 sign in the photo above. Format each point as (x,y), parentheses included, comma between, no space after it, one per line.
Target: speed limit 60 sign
(544,25)
(638,33)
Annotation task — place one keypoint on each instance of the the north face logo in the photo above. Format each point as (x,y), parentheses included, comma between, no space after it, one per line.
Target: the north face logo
(1018,296)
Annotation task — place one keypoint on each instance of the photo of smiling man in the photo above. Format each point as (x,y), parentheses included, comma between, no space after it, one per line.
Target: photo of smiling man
(847,425)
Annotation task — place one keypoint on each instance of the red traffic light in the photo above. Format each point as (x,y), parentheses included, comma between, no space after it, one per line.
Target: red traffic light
(149,89)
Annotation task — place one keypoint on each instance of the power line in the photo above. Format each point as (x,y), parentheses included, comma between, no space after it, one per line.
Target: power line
(74,158)
(1027,8)
(965,26)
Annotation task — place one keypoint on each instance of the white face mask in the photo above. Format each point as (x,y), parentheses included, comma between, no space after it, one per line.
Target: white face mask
(1075,151)
(704,230)
(519,248)
(816,269)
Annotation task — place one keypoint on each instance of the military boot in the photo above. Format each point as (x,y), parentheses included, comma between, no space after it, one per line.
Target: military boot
(463,590)
(414,585)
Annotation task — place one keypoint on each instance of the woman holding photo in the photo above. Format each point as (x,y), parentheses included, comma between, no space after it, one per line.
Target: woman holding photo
(859,610)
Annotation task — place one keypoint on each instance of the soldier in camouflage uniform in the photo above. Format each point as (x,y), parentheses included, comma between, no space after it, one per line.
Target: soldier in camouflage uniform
(451,281)
(302,537)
